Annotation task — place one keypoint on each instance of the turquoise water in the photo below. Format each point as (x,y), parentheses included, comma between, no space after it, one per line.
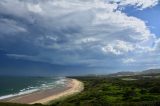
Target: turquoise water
(14,86)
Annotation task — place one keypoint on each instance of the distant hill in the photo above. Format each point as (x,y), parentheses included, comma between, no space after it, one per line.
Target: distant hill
(123,73)
(150,71)
(130,73)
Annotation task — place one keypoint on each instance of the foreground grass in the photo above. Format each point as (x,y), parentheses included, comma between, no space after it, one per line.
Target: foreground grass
(16,104)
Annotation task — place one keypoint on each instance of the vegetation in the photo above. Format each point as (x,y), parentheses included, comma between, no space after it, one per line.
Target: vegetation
(16,104)
(115,91)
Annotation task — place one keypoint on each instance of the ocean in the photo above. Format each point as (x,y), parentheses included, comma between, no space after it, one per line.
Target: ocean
(15,86)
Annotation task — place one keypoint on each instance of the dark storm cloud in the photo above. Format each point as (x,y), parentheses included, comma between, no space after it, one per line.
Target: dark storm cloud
(90,33)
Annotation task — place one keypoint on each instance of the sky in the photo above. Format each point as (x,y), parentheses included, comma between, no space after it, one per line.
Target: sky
(78,37)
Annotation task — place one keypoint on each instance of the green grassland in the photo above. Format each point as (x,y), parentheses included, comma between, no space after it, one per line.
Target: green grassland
(113,91)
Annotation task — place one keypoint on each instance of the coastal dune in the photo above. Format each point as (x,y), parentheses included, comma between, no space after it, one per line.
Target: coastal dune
(45,96)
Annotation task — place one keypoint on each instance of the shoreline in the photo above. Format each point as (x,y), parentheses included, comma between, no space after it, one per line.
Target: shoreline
(75,86)
(45,96)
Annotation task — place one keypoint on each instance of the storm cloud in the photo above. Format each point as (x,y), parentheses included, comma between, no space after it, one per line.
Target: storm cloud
(93,33)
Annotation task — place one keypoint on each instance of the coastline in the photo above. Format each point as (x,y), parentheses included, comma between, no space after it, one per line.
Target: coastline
(75,86)
(45,96)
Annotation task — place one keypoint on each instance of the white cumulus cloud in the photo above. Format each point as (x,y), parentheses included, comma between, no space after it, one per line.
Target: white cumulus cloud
(118,47)
(141,4)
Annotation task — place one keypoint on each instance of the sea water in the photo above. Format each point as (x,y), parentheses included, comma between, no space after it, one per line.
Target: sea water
(15,86)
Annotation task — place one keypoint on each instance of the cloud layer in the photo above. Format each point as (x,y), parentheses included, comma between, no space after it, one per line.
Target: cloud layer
(141,4)
(95,33)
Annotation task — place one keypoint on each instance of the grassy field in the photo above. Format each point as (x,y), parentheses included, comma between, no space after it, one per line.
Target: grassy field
(113,91)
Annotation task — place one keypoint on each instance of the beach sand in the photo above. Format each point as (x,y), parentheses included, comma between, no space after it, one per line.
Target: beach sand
(45,96)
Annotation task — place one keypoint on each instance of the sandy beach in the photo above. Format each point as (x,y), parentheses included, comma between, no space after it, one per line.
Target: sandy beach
(45,96)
